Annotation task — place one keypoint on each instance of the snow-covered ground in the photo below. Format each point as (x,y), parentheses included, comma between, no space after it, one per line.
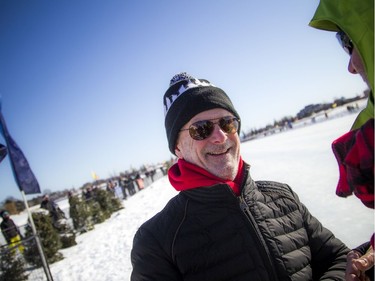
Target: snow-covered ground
(300,157)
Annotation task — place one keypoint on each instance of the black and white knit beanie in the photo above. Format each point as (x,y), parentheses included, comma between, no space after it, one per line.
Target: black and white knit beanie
(186,97)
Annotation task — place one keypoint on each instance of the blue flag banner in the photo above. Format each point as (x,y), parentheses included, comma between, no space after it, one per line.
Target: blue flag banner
(21,170)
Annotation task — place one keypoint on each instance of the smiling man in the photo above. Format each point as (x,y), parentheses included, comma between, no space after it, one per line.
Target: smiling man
(223,225)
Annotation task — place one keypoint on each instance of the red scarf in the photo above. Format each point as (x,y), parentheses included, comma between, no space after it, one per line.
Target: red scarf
(184,175)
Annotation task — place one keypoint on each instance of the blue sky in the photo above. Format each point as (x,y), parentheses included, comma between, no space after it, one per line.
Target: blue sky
(81,82)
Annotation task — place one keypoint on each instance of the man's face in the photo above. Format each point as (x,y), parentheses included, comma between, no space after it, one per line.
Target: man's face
(356,66)
(218,154)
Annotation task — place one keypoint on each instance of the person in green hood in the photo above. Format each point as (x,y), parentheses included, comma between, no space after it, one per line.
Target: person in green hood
(356,20)
(353,22)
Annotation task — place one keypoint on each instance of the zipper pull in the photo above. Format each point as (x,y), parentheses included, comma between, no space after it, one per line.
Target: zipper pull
(243,204)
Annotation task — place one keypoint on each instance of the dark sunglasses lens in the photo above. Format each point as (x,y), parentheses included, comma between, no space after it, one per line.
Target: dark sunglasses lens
(201,129)
(229,125)
(345,42)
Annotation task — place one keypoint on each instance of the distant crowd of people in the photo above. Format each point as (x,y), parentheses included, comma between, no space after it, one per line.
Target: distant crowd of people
(128,184)
(120,187)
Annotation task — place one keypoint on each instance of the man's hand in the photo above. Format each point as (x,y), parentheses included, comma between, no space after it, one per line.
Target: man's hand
(357,265)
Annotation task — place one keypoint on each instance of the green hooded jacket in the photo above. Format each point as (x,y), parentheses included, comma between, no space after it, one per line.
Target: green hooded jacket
(356,19)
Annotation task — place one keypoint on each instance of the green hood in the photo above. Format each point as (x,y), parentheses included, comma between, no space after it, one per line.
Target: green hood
(356,19)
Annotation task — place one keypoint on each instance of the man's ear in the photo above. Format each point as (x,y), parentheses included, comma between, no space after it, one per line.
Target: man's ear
(177,151)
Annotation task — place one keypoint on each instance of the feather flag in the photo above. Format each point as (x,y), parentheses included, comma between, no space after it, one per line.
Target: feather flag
(23,175)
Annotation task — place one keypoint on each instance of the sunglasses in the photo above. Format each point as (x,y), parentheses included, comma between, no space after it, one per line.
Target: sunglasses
(203,129)
(345,42)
